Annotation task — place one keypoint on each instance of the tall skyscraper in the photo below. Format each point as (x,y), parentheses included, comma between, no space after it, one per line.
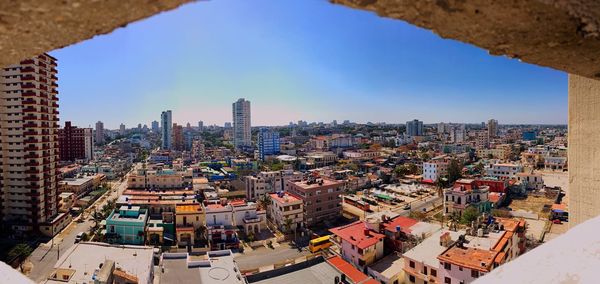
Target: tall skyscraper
(492,128)
(414,128)
(268,143)
(29,144)
(122,129)
(177,139)
(75,143)
(99,133)
(155,126)
(241,124)
(166,124)
(200,125)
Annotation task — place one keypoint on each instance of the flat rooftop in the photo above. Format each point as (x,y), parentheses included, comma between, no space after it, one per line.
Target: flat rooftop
(305,184)
(389,266)
(213,267)
(322,273)
(428,250)
(85,258)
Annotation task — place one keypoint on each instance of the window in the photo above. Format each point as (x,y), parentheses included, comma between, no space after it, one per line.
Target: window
(411,278)
(447,266)
(447,280)
(474,273)
(460,268)
(424,269)
(411,264)
(433,272)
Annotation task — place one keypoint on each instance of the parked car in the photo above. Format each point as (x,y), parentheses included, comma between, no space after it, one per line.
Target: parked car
(407,207)
(79,237)
(557,221)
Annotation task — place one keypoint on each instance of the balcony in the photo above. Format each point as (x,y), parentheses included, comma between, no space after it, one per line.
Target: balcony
(30,133)
(31,156)
(42,72)
(30,109)
(28,86)
(30,125)
(32,164)
(29,94)
(32,172)
(29,102)
(27,70)
(32,179)
(28,78)
(27,61)
(30,117)
(31,140)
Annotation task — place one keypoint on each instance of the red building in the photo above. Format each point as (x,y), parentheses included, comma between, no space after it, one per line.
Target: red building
(495,185)
(75,143)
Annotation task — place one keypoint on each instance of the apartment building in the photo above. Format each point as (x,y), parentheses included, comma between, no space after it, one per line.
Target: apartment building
(285,206)
(241,116)
(29,143)
(166,130)
(530,180)
(177,138)
(504,171)
(436,168)
(75,143)
(263,183)
(359,244)
(99,135)
(463,194)
(481,250)
(321,198)
(155,179)
(268,143)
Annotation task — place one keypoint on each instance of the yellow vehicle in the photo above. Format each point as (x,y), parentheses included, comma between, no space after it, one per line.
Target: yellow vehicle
(318,244)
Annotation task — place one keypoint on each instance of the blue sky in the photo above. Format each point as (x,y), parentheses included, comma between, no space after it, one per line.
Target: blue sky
(308,60)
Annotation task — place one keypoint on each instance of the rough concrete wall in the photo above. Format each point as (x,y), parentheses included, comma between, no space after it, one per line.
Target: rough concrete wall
(31,27)
(584,149)
(562,34)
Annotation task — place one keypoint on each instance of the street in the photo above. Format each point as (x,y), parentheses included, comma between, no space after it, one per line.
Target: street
(41,262)
(263,256)
(427,203)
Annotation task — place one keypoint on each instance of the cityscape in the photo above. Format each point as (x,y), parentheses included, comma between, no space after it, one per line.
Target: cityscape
(341,200)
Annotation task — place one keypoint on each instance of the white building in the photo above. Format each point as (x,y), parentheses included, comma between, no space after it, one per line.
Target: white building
(285,206)
(241,123)
(437,168)
(29,143)
(504,171)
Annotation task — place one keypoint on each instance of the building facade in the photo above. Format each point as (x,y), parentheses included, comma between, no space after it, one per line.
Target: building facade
(75,143)
(285,206)
(166,133)
(268,143)
(321,198)
(241,124)
(29,143)
(99,135)
(414,128)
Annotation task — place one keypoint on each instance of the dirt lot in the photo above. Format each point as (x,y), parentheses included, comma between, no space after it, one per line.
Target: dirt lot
(534,204)
(556,230)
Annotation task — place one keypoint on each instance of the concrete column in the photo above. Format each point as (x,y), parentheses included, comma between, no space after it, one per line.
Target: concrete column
(584,149)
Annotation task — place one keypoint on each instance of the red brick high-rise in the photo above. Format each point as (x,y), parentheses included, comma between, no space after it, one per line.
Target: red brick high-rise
(75,143)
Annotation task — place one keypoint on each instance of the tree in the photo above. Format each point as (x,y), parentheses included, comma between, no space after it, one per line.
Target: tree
(287,224)
(469,215)
(479,168)
(454,171)
(20,252)
(264,202)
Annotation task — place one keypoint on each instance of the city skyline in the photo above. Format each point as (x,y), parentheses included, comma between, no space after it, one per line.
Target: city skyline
(337,64)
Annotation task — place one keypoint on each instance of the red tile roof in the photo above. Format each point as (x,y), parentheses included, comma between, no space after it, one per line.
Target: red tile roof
(404,222)
(357,234)
(346,268)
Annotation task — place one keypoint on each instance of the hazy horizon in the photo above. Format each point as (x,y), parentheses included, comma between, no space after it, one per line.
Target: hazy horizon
(307,60)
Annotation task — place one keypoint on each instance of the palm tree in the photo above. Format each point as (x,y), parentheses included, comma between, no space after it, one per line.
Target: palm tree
(287,224)
(264,202)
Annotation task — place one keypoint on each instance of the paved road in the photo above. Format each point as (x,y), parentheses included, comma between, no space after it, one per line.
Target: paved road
(44,257)
(428,203)
(263,256)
